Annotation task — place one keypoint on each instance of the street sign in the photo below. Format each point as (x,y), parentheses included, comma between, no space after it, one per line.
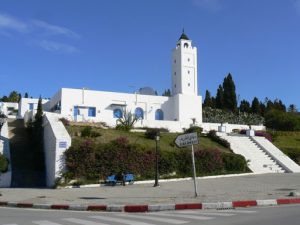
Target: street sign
(189,139)
(184,140)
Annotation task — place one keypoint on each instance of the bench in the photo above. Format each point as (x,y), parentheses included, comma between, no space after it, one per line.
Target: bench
(114,179)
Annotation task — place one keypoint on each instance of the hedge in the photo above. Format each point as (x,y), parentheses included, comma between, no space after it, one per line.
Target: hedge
(3,164)
(88,160)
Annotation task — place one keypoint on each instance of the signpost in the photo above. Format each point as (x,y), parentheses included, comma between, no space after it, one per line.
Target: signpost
(190,139)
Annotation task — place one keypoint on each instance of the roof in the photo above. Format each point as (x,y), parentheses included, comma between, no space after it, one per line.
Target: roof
(183,36)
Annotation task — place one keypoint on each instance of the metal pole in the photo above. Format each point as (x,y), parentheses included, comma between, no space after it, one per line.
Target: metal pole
(156,184)
(194,171)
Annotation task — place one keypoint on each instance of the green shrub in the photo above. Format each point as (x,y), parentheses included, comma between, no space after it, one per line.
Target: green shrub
(214,137)
(194,129)
(3,164)
(151,133)
(89,132)
(234,162)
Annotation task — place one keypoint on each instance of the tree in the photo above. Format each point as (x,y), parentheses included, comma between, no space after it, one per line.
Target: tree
(14,96)
(255,106)
(229,99)
(282,121)
(245,106)
(220,98)
(167,93)
(208,100)
(292,108)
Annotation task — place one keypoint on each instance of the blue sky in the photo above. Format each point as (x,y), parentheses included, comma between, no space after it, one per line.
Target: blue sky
(118,45)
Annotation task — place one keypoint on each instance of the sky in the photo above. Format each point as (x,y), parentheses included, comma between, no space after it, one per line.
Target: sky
(123,45)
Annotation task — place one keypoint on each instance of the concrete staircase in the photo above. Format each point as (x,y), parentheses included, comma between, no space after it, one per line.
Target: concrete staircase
(283,160)
(259,161)
(23,160)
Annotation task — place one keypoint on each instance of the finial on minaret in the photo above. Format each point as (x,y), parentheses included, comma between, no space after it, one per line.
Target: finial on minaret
(183,30)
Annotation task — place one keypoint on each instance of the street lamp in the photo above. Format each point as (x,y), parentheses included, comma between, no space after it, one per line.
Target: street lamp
(156,184)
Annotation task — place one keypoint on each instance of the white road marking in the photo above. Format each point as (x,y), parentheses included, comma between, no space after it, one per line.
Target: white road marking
(186,216)
(45,222)
(83,222)
(121,220)
(206,213)
(164,220)
(239,211)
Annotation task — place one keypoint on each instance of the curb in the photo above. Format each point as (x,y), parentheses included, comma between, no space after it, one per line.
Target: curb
(155,208)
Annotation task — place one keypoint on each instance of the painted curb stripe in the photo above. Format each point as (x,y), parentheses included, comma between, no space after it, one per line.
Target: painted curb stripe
(25,205)
(97,208)
(136,208)
(148,208)
(188,206)
(288,201)
(60,206)
(244,203)
(3,203)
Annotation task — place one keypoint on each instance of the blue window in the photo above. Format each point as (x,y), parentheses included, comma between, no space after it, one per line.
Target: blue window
(76,111)
(159,115)
(31,106)
(139,113)
(92,111)
(118,113)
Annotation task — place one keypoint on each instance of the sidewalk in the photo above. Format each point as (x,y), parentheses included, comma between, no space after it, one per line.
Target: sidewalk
(224,189)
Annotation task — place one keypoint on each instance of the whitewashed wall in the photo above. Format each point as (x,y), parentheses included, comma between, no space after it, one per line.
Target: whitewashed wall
(5,178)
(229,127)
(24,105)
(56,141)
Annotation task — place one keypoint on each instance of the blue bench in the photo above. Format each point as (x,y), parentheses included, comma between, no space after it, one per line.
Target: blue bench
(113,179)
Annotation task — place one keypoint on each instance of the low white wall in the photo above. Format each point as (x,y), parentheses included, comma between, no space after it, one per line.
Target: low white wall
(5,178)
(229,127)
(56,141)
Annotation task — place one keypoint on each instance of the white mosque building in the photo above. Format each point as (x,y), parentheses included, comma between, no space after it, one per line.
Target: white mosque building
(180,110)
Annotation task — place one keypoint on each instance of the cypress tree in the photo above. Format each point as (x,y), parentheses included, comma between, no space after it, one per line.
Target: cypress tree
(220,98)
(255,106)
(229,99)
(245,106)
(208,100)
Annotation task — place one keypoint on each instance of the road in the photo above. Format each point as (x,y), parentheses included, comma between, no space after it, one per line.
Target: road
(288,215)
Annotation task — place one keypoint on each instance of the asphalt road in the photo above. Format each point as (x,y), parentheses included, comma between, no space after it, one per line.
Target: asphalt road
(287,215)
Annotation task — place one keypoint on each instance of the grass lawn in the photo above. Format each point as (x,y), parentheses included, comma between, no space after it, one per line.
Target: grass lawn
(166,140)
(289,143)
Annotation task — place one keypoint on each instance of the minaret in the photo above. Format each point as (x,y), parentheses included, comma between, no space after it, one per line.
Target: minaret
(184,67)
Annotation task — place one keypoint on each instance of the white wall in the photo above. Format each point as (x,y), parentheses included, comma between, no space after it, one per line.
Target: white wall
(106,102)
(8,108)
(24,105)
(56,141)
(5,178)
(229,127)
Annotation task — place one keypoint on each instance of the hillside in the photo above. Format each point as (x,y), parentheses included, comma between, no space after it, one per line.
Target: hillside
(289,143)
(166,139)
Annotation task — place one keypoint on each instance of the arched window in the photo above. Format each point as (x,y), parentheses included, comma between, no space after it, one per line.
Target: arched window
(186,45)
(159,114)
(139,113)
(118,113)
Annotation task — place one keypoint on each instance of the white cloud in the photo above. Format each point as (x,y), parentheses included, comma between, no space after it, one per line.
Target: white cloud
(53,29)
(211,5)
(38,31)
(57,47)
(10,23)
